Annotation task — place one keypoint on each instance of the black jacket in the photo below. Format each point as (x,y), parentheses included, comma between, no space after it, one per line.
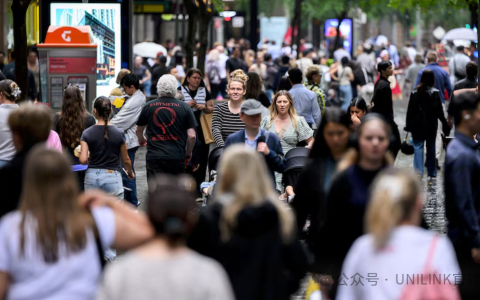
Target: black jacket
(465,83)
(11,182)
(259,265)
(382,99)
(423,112)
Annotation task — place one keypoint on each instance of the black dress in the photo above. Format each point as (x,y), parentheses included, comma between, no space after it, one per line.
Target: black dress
(383,104)
(260,266)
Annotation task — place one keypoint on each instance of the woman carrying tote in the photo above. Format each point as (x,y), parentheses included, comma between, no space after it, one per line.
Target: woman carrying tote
(396,247)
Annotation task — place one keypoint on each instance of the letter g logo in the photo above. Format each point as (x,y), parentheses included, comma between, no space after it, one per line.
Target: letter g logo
(65,36)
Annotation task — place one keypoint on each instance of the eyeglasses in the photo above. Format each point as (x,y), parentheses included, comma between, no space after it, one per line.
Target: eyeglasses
(196,78)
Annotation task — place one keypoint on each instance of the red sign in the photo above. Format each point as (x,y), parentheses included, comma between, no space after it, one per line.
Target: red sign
(72,65)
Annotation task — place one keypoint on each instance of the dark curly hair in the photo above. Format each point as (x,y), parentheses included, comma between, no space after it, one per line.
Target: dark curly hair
(72,117)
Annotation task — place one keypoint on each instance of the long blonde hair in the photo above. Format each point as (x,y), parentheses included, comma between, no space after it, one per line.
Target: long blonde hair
(244,176)
(50,199)
(394,197)
(291,110)
(352,156)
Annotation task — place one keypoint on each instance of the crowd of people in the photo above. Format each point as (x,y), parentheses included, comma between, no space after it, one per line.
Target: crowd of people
(305,182)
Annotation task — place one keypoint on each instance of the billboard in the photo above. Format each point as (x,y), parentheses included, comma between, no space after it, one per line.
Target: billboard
(104,20)
(346,34)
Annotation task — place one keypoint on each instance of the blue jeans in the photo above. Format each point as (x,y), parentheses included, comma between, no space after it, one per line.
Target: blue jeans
(3,163)
(147,85)
(131,184)
(269,94)
(346,95)
(109,181)
(418,156)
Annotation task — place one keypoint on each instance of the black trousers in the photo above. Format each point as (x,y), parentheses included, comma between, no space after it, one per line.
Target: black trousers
(470,286)
(397,141)
(172,167)
(200,155)
(81,180)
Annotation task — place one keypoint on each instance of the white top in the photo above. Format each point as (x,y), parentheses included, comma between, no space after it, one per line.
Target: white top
(183,276)
(405,254)
(7,149)
(73,277)
(344,75)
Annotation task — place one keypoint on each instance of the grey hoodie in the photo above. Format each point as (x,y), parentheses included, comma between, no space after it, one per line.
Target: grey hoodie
(126,119)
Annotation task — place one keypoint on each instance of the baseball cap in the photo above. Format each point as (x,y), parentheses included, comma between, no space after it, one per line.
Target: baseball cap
(251,107)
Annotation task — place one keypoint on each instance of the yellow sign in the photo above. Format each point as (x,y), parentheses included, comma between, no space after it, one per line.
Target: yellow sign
(148,8)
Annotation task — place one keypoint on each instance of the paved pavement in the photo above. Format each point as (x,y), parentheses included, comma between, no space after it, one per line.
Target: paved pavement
(434,211)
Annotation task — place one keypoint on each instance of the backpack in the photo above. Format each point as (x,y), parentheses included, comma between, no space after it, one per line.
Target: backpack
(430,291)
(213,73)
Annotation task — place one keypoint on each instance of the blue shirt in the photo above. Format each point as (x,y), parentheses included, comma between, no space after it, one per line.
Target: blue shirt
(462,190)
(252,144)
(306,105)
(442,80)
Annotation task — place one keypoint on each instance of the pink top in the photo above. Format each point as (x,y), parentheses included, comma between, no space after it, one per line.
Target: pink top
(53,141)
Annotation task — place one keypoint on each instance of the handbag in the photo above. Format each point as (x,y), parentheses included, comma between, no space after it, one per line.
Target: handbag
(407,147)
(430,291)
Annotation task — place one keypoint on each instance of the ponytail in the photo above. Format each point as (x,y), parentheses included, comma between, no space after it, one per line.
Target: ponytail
(104,107)
(382,216)
(394,197)
(105,127)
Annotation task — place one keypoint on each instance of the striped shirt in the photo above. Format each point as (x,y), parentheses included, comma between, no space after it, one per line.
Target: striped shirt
(224,123)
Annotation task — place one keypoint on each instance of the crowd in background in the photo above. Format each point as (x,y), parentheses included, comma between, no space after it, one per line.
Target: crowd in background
(305,181)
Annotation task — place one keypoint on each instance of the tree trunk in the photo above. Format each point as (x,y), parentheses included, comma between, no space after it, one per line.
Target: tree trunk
(296,22)
(473,8)
(192,29)
(316,33)
(19,9)
(337,38)
(204,19)
(254,24)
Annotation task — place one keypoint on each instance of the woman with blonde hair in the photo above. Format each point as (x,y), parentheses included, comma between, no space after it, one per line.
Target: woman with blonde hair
(250,232)
(290,128)
(226,116)
(395,245)
(50,248)
(343,211)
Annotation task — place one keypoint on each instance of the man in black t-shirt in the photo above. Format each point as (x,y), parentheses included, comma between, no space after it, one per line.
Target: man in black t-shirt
(235,62)
(170,130)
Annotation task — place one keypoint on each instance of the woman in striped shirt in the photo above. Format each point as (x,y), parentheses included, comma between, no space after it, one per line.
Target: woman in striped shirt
(226,116)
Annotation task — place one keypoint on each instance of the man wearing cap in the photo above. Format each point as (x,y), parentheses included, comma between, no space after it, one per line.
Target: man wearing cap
(258,139)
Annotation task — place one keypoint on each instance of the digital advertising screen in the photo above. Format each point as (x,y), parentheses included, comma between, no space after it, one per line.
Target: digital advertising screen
(346,33)
(105,22)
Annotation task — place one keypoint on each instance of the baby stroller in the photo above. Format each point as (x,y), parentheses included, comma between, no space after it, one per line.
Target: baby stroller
(296,160)
(213,159)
